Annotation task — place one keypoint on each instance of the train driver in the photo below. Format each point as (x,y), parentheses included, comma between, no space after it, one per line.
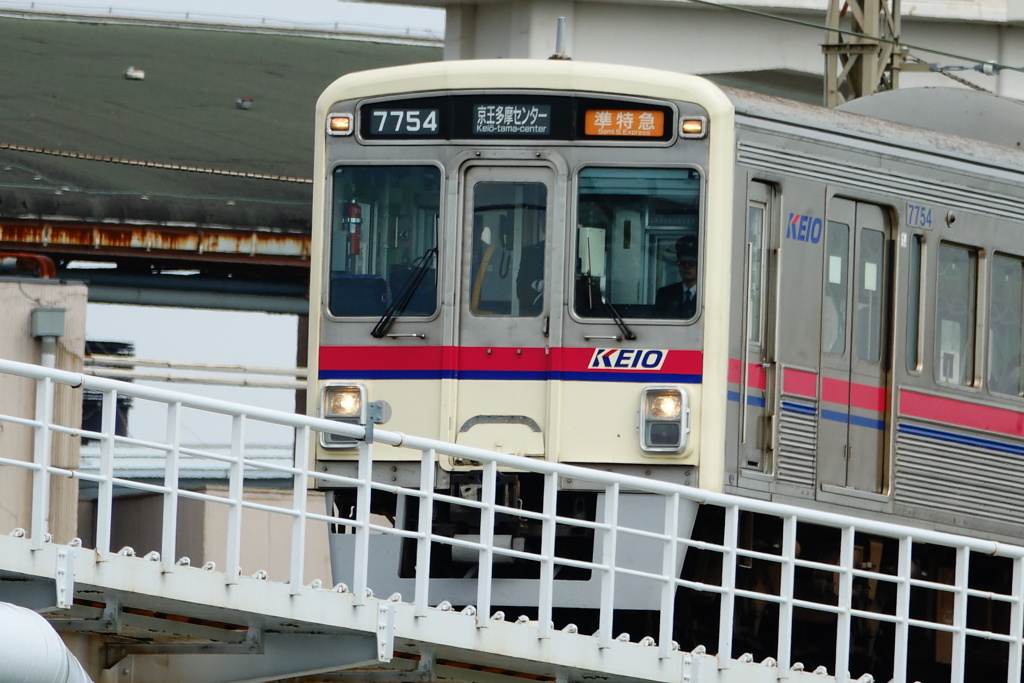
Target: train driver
(679,300)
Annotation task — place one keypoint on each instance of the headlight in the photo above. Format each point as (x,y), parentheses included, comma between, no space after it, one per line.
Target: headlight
(664,419)
(344,403)
(664,406)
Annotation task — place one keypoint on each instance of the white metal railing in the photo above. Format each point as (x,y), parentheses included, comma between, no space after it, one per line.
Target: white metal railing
(790,568)
(190,372)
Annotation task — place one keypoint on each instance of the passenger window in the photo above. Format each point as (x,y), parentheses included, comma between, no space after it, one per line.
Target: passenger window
(833,314)
(955,314)
(637,243)
(1006,330)
(914,305)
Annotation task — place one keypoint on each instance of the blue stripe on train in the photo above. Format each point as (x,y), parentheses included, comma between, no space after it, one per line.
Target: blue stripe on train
(755,401)
(651,377)
(965,439)
(804,409)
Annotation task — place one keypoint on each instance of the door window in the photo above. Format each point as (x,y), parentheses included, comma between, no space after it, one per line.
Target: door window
(914,304)
(870,301)
(833,315)
(755,245)
(508,249)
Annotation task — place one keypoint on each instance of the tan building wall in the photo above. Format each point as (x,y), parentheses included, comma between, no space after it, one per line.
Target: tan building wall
(203,531)
(18,298)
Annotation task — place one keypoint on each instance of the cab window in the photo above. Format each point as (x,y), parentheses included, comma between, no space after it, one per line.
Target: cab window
(637,243)
(383,240)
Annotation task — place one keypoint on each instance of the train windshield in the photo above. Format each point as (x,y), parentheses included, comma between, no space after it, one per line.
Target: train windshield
(637,243)
(383,241)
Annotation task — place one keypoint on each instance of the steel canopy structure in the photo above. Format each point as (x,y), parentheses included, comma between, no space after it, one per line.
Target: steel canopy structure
(193,179)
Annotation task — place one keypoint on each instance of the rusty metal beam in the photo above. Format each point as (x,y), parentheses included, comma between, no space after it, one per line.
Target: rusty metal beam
(117,241)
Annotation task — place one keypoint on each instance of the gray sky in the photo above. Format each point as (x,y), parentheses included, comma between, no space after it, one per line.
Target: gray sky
(205,336)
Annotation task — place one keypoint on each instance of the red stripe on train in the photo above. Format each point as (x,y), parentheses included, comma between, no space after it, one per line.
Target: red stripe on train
(755,374)
(863,396)
(483,358)
(961,413)
(800,383)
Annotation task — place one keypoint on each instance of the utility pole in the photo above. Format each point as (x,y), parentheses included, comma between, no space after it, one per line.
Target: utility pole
(867,59)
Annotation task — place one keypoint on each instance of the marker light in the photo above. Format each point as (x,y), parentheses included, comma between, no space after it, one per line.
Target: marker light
(664,419)
(343,403)
(339,124)
(694,127)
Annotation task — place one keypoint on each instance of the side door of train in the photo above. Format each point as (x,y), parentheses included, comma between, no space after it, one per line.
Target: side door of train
(755,396)
(509,235)
(856,320)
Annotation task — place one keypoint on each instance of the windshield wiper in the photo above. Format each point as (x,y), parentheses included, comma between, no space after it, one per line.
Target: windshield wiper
(589,285)
(626,332)
(420,268)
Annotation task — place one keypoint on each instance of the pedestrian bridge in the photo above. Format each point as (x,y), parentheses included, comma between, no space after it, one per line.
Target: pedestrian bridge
(150,615)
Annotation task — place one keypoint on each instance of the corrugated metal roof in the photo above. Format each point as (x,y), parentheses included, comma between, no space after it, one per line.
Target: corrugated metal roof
(63,90)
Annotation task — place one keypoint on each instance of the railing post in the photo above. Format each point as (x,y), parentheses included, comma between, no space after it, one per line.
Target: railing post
(668,571)
(1016,652)
(41,457)
(363,492)
(728,606)
(961,580)
(608,552)
(105,492)
(843,619)
(486,555)
(236,492)
(299,496)
(787,586)
(545,600)
(168,538)
(424,528)
(901,644)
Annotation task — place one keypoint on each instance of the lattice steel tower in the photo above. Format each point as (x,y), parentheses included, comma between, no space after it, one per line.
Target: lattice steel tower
(862,55)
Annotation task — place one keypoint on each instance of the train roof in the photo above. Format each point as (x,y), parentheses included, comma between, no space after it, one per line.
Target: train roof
(888,122)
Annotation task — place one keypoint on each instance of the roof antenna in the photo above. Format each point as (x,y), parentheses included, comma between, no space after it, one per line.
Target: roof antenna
(560,40)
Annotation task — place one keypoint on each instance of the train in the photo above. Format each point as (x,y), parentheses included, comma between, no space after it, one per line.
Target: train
(646,273)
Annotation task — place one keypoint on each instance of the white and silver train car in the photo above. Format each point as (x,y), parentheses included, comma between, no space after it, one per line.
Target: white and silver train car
(643,272)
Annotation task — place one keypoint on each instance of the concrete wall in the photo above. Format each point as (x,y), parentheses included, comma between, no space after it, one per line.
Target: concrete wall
(18,298)
(699,39)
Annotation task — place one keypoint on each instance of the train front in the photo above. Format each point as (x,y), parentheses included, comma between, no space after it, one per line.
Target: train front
(528,257)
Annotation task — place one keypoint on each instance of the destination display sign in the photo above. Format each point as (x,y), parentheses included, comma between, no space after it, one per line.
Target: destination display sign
(512,119)
(639,123)
(515,116)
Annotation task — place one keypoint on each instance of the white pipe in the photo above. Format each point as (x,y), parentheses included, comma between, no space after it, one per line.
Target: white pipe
(49,351)
(32,652)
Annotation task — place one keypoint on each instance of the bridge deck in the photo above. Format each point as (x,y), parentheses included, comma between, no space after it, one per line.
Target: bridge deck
(152,618)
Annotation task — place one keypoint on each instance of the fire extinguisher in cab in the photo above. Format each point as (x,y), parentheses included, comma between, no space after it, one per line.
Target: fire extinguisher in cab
(354,217)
